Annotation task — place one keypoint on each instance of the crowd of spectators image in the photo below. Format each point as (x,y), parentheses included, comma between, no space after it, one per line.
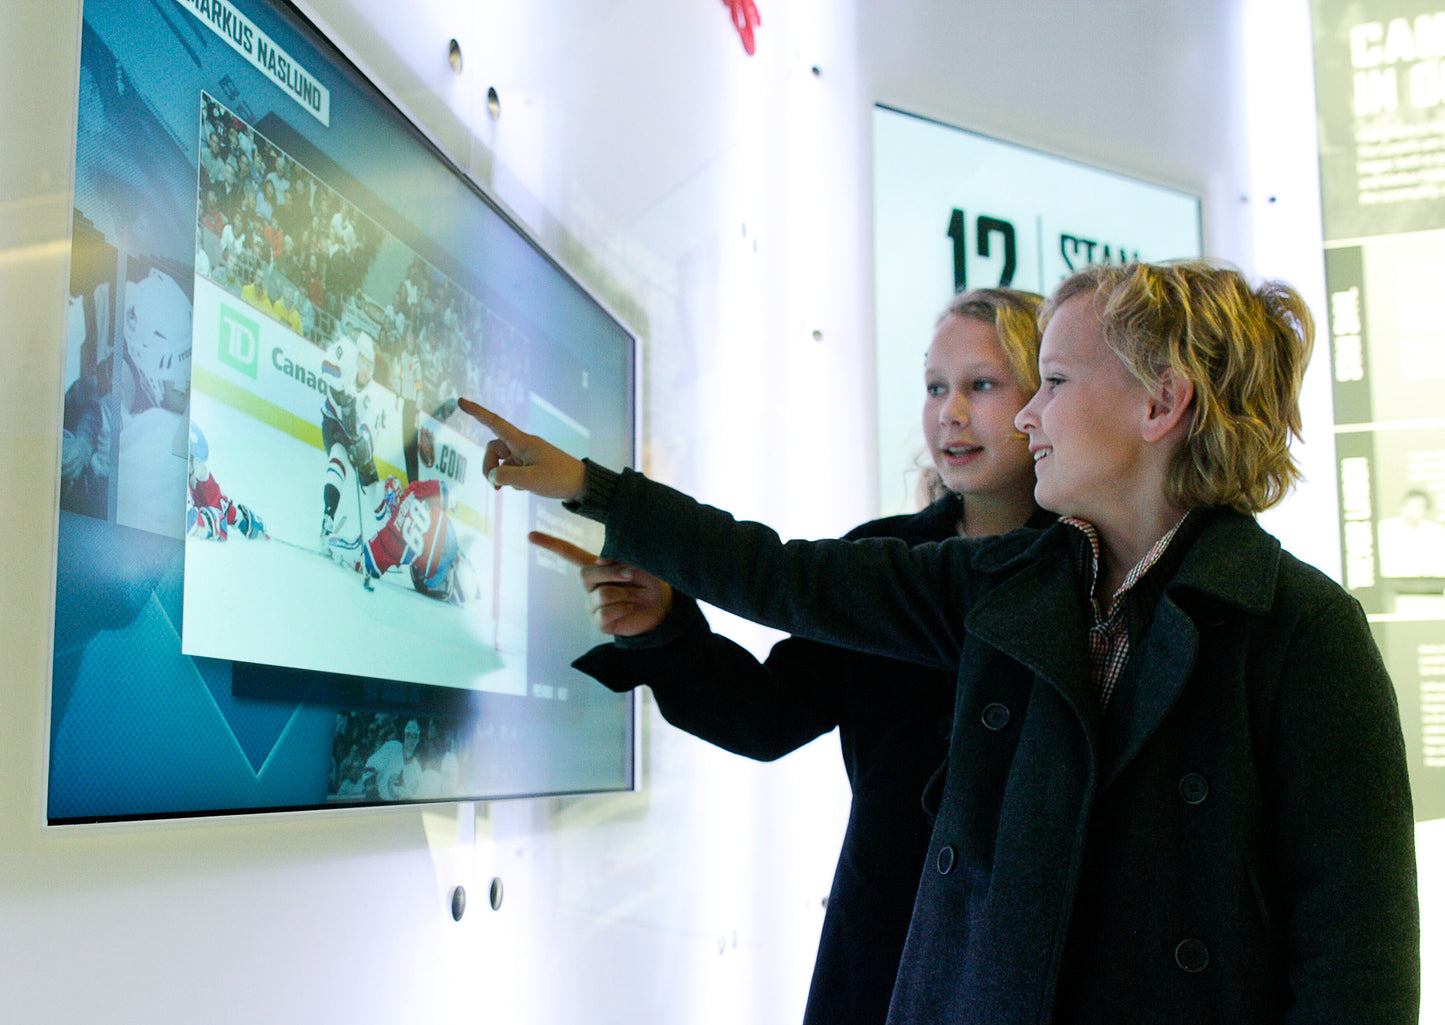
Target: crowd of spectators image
(386,757)
(270,226)
(292,247)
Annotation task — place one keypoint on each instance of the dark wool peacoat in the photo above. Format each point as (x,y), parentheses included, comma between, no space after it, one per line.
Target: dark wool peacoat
(893,720)
(1232,841)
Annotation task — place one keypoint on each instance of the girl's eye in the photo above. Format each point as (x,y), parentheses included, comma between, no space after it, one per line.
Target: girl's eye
(934,389)
(984,384)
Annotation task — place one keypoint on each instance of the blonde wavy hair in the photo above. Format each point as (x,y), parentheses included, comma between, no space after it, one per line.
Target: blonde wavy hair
(1244,348)
(1014,316)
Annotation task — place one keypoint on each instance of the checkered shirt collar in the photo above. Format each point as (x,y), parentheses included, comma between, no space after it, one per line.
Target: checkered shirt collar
(1109,629)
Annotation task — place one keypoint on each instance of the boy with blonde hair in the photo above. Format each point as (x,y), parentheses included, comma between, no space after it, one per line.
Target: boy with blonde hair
(1176,787)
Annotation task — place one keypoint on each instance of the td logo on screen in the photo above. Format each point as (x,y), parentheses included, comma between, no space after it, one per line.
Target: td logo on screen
(239,341)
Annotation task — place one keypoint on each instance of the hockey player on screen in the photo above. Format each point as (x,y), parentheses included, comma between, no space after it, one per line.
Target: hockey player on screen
(418,534)
(210,515)
(350,472)
(157,332)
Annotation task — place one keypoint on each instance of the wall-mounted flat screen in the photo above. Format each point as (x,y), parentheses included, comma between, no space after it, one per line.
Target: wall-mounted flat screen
(281,580)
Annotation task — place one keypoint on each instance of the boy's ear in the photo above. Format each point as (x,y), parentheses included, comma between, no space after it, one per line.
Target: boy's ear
(1169,406)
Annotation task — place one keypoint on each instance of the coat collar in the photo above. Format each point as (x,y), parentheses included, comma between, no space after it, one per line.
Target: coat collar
(1233,560)
(1038,615)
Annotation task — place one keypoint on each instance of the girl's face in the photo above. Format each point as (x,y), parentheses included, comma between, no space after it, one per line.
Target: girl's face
(971,399)
(1083,422)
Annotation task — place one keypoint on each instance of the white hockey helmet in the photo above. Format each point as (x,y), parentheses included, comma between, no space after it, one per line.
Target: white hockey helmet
(199,453)
(158,334)
(338,366)
(199,448)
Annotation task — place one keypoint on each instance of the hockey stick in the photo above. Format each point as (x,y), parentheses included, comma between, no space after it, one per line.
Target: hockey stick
(361,523)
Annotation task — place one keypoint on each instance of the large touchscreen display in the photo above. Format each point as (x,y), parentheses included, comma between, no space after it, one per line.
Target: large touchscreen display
(281,581)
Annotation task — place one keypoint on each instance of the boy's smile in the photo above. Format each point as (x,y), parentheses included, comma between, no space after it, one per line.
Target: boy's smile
(1082,424)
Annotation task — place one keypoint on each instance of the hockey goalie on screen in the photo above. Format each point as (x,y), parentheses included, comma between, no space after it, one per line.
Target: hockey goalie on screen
(418,534)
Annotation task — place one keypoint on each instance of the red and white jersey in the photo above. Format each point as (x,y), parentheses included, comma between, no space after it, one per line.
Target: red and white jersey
(206,494)
(415,535)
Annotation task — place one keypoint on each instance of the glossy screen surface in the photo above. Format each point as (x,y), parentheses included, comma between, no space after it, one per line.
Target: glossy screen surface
(281,580)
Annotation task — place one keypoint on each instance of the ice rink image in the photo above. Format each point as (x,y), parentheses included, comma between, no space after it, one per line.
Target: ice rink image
(280,599)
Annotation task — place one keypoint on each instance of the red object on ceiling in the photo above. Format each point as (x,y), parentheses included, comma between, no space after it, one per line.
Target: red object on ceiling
(745,20)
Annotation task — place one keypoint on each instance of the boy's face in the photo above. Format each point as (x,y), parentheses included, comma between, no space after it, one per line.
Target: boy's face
(1082,423)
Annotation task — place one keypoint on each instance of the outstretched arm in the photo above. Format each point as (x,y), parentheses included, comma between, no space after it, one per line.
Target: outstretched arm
(873,595)
(704,683)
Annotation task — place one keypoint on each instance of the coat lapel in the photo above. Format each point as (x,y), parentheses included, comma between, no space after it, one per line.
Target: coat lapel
(1230,561)
(1157,675)
(1039,618)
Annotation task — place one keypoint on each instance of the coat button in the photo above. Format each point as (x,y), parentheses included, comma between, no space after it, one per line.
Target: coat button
(1192,956)
(995,716)
(945,859)
(1193,787)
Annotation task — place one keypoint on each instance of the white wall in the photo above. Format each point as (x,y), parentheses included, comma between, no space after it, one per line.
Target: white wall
(722,203)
